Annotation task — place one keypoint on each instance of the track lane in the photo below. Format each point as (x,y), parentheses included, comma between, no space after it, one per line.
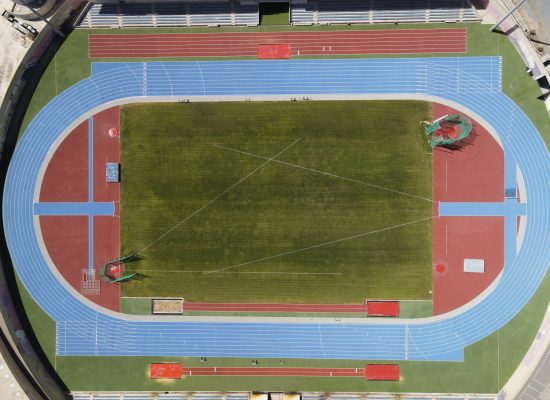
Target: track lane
(241,44)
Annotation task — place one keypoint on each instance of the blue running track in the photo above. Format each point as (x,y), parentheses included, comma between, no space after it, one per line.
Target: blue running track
(473,83)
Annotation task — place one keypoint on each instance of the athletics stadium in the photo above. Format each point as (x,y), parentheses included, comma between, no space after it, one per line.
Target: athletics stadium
(317,199)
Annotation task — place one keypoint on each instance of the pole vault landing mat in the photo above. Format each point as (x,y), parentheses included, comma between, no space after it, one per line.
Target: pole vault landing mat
(166,371)
(273,51)
(382,372)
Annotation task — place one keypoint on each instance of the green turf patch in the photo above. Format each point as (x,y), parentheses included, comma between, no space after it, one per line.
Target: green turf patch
(43,325)
(274,13)
(333,219)
(136,305)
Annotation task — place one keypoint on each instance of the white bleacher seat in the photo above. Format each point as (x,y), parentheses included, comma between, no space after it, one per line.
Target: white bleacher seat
(233,12)
(360,11)
(185,13)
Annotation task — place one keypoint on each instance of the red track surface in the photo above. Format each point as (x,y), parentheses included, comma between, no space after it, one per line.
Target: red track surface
(241,44)
(66,179)
(107,229)
(259,371)
(247,307)
(66,239)
(474,173)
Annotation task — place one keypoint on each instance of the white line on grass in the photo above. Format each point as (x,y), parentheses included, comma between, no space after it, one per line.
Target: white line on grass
(219,195)
(239,272)
(320,245)
(327,174)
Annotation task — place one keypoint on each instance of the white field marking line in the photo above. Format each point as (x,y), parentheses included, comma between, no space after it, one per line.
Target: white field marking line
(498,359)
(446,239)
(170,80)
(327,174)
(239,272)
(321,342)
(417,347)
(219,195)
(321,244)
(202,79)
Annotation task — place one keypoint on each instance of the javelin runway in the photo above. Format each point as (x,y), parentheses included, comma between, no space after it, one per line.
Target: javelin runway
(469,83)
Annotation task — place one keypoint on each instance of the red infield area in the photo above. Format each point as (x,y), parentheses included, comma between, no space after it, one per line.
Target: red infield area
(66,180)
(107,228)
(473,173)
(243,44)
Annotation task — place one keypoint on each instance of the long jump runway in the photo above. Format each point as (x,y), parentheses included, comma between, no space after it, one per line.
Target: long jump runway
(471,84)
(243,44)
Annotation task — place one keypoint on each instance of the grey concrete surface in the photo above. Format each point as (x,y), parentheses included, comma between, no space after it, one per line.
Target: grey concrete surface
(537,15)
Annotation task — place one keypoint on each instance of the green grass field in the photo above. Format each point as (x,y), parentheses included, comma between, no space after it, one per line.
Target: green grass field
(307,226)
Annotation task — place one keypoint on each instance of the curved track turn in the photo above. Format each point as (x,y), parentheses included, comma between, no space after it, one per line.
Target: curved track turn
(471,82)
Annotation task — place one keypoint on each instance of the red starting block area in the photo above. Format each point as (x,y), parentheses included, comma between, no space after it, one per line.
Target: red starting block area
(273,51)
(382,308)
(382,372)
(166,371)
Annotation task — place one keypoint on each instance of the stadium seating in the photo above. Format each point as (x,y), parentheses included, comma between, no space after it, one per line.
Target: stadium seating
(211,13)
(359,11)
(232,12)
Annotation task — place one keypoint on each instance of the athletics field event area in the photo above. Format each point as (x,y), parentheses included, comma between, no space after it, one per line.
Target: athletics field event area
(265,210)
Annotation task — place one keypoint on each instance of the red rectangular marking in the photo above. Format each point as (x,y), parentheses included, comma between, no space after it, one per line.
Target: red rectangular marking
(273,51)
(382,372)
(383,308)
(166,371)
